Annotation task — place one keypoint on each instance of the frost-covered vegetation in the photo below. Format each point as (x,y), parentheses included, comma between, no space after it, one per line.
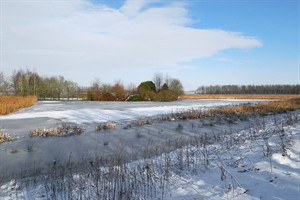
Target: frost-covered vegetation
(260,162)
(60,131)
(4,137)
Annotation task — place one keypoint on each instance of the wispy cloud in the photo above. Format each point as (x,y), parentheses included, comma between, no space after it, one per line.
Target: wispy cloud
(79,35)
(229,60)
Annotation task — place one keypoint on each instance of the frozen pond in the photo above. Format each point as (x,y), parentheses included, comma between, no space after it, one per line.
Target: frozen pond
(92,112)
(30,152)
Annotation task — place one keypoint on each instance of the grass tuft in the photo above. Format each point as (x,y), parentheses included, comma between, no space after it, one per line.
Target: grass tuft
(106,125)
(61,131)
(4,137)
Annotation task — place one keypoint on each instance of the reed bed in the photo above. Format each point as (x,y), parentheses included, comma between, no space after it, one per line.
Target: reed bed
(237,96)
(10,104)
(260,108)
(264,108)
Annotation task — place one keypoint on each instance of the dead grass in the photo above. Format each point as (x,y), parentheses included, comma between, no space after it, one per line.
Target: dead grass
(237,96)
(10,104)
(260,108)
(60,131)
(106,125)
(4,137)
(263,108)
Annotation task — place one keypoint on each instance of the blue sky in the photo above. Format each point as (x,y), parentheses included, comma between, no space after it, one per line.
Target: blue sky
(199,42)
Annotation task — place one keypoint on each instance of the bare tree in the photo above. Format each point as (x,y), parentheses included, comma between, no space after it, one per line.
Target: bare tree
(4,84)
(158,81)
(176,87)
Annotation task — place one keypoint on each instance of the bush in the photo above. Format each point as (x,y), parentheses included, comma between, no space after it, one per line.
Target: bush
(165,96)
(168,92)
(147,86)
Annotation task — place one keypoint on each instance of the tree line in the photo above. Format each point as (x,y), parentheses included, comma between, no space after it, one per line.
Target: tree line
(24,82)
(249,89)
(160,89)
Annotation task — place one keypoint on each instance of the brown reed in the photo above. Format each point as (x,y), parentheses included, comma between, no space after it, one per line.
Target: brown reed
(10,104)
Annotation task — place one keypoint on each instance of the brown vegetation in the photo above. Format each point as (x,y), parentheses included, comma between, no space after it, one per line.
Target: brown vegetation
(106,125)
(237,96)
(261,108)
(4,137)
(61,131)
(246,109)
(10,104)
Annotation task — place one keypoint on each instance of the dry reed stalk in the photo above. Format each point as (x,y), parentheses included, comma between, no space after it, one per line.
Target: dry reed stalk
(260,108)
(10,104)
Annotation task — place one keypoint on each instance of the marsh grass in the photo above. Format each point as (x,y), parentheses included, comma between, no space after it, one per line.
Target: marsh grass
(241,111)
(260,108)
(10,104)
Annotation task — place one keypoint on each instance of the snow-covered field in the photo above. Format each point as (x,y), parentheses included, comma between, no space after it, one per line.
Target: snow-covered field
(258,158)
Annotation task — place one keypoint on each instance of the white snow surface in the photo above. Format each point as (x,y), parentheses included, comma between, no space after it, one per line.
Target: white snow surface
(258,177)
(249,175)
(93,112)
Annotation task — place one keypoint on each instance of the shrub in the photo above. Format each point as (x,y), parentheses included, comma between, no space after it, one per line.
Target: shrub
(165,96)
(147,86)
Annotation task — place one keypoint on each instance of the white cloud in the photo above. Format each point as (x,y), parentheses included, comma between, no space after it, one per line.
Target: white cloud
(81,36)
(229,60)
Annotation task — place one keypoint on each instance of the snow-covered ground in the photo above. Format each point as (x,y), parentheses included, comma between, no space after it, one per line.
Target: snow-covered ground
(242,172)
(246,172)
(254,159)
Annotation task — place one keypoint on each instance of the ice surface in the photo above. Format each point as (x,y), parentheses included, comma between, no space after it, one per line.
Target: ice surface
(90,112)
